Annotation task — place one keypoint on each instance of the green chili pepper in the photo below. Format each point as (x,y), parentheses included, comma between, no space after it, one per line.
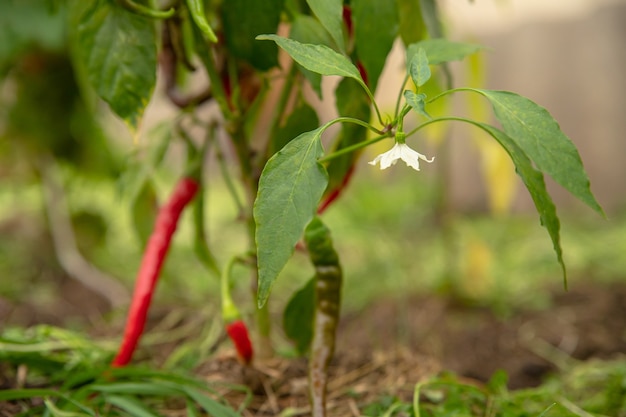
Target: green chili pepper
(146,11)
(328,277)
(196,8)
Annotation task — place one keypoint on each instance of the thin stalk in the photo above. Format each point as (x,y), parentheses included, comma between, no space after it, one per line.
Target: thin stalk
(353,148)
(400,95)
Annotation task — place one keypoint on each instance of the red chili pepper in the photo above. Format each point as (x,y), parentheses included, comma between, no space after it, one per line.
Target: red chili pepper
(235,327)
(238,333)
(151,264)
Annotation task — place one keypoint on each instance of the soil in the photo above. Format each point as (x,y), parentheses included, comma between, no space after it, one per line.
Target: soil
(393,344)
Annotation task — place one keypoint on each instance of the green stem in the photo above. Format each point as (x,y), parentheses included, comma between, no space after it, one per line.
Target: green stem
(353,148)
(400,95)
(371,96)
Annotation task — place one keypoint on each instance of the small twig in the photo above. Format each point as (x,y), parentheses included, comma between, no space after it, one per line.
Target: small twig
(64,242)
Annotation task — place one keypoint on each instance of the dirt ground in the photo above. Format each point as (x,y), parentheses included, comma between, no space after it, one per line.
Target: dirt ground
(393,344)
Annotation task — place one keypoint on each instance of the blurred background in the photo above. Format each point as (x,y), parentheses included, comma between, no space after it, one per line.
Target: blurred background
(464,227)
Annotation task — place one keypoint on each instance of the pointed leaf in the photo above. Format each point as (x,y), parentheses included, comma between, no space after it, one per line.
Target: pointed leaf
(245,19)
(290,188)
(330,15)
(536,186)
(317,58)
(118,49)
(419,68)
(298,316)
(416,101)
(536,132)
(375,29)
(442,50)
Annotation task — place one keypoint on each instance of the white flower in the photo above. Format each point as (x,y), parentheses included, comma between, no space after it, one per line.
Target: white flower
(400,151)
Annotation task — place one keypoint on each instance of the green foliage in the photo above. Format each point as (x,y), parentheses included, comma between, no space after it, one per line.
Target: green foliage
(375,29)
(539,135)
(118,50)
(298,316)
(418,68)
(330,15)
(283,177)
(290,189)
(243,21)
(77,367)
(440,50)
(317,58)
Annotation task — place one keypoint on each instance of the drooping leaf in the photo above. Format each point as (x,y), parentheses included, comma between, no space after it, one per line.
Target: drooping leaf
(419,68)
(536,132)
(416,101)
(330,15)
(442,50)
(298,316)
(375,29)
(317,58)
(533,179)
(290,188)
(243,20)
(119,52)
(306,29)
(302,119)
(411,24)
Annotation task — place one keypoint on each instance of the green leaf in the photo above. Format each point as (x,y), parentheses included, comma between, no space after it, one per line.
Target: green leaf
(131,405)
(119,52)
(442,50)
(211,406)
(411,24)
(417,103)
(536,186)
(317,58)
(302,119)
(298,316)
(290,188)
(536,132)
(243,20)
(330,15)
(375,29)
(419,68)
(306,29)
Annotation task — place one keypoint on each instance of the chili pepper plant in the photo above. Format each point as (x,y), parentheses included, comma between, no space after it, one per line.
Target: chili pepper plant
(260,65)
